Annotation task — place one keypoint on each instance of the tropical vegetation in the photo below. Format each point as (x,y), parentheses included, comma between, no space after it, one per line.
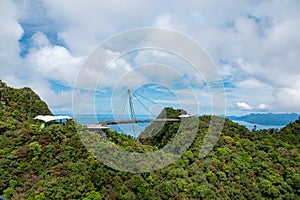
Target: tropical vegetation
(52,163)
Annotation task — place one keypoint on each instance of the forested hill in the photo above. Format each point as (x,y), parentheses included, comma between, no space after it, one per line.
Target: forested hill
(51,163)
(267,118)
(20,104)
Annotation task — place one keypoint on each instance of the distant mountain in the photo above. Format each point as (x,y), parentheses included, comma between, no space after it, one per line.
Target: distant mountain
(267,118)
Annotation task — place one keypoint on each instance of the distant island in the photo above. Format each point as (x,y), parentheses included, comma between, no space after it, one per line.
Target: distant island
(267,118)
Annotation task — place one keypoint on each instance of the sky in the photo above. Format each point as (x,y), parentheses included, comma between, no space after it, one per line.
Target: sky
(254,45)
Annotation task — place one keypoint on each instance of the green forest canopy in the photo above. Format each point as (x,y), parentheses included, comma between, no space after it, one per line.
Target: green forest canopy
(52,163)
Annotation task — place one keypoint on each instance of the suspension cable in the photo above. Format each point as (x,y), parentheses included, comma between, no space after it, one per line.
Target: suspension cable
(141,103)
(120,107)
(145,98)
(116,107)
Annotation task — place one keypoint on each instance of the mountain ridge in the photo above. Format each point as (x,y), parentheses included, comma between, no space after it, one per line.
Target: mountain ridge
(267,118)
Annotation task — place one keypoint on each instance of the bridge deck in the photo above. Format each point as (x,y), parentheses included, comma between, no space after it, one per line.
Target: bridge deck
(97,126)
(110,122)
(105,124)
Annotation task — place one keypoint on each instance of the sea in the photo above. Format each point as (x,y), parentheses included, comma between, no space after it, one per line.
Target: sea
(128,128)
(250,126)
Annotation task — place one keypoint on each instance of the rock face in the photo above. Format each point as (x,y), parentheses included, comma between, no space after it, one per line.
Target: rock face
(20,104)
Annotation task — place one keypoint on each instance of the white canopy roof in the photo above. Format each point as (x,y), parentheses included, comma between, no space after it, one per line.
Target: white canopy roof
(47,118)
(184,116)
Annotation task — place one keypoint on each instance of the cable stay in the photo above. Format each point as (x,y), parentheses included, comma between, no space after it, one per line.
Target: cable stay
(121,106)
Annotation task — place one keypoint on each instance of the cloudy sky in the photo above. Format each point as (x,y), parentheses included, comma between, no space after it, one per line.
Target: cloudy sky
(254,44)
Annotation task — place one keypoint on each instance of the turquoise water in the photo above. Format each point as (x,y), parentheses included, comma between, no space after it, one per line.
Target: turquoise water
(250,126)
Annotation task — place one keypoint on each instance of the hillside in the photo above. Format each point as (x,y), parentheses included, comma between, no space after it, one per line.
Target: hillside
(18,106)
(267,118)
(151,135)
(52,163)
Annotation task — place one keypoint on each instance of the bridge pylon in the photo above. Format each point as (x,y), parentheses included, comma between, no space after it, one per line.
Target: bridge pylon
(132,114)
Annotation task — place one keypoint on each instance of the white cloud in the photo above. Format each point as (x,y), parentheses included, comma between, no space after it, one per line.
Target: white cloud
(40,40)
(58,101)
(259,40)
(47,62)
(287,99)
(52,62)
(262,106)
(10,29)
(251,83)
(87,23)
(244,106)
(163,21)
(10,33)
(264,50)
(167,67)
